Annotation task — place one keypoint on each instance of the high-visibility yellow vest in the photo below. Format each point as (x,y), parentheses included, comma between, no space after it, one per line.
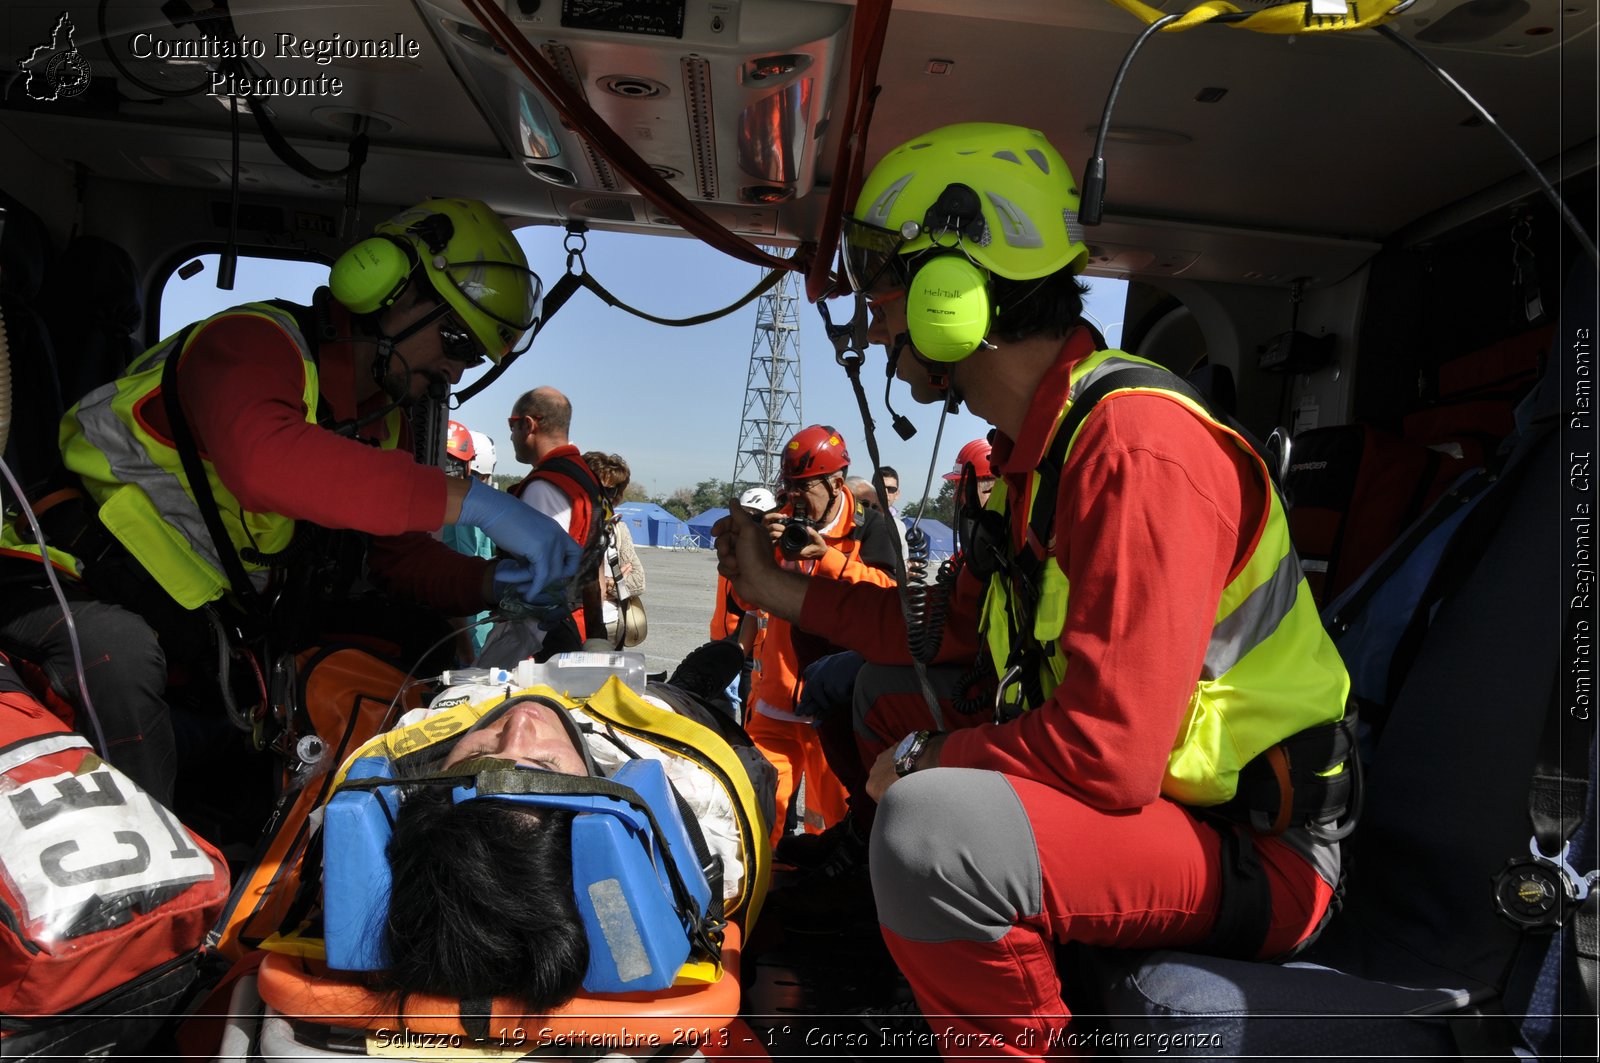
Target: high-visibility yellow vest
(1270,670)
(136,478)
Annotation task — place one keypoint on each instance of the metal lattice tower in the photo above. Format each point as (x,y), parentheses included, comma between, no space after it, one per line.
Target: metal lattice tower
(771,390)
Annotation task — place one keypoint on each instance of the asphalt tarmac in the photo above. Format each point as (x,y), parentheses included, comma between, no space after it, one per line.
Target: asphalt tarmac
(680,590)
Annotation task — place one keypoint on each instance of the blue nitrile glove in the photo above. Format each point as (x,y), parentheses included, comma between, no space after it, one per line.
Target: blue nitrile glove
(829,684)
(522,531)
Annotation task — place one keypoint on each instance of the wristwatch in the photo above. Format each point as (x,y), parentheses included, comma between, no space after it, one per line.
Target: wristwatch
(909,749)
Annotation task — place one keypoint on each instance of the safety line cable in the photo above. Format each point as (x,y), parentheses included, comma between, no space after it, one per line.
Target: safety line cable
(852,361)
(1516,149)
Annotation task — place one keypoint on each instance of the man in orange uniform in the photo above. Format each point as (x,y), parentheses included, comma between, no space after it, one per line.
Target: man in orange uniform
(841,541)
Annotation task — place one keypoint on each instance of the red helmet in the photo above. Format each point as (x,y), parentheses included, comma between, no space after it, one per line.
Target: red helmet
(814,451)
(975,453)
(458,444)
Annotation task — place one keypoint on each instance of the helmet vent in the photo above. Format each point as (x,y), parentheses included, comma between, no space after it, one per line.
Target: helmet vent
(1007,156)
(1039,159)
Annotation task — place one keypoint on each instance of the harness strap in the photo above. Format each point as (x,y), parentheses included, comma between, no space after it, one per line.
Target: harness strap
(1244,903)
(771,278)
(199,484)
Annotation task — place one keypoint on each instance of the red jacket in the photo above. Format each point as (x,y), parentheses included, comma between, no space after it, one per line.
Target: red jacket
(242,385)
(1154,515)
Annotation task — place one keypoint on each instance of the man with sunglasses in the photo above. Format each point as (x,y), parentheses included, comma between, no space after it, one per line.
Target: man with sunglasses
(563,488)
(240,472)
(1142,635)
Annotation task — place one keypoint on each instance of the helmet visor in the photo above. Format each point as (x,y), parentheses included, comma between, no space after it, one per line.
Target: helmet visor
(869,251)
(507,293)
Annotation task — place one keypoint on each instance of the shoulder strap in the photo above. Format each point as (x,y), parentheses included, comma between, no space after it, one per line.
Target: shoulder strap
(199,484)
(312,321)
(576,471)
(1049,469)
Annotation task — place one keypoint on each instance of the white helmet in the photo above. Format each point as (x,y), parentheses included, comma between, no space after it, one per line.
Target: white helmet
(483,454)
(758,498)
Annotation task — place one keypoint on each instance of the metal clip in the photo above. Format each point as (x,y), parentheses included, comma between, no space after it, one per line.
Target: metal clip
(1004,710)
(575,244)
(1578,884)
(850,339)
(1525,269)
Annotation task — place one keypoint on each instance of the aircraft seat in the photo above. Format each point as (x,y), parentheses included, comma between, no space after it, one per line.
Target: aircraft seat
(91,301)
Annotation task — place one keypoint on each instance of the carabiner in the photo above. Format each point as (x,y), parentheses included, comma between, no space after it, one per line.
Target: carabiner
(1578,884)
(575,243)
(1004,710)
(849,340)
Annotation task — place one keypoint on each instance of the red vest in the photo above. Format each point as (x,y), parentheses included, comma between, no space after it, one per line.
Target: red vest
(564,468)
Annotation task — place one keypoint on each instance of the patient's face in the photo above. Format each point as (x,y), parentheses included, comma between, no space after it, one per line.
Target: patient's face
(528,733)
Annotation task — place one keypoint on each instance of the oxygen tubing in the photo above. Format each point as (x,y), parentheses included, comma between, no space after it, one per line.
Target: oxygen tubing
(86,702)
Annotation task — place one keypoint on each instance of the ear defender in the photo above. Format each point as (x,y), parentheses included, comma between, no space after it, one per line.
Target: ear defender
(372,274)
(948,311)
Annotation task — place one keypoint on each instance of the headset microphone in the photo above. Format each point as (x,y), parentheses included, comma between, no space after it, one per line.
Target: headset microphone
(902,424)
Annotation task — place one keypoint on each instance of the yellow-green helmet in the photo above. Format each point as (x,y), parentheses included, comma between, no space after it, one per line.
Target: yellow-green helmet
(475,263)
(1027,226)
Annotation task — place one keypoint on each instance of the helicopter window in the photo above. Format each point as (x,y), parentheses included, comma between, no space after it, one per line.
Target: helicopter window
(190,292)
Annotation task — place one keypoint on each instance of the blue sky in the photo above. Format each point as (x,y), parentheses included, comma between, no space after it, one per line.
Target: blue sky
(669,400)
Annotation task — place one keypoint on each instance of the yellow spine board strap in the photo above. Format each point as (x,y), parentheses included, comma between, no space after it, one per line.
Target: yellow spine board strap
(1284,19)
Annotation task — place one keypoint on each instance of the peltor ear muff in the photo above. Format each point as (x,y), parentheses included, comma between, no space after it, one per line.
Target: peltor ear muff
(948,310)
(371,274)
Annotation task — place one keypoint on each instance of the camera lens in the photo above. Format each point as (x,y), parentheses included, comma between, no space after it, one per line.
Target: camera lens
(794,538)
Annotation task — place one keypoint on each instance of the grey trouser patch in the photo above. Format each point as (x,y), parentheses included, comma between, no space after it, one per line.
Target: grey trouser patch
(954,857)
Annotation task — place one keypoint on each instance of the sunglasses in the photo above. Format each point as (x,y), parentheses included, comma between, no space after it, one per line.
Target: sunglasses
(458,344)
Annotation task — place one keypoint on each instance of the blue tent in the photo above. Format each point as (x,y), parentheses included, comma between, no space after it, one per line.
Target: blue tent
(650,525)
(700,524)
(941,540)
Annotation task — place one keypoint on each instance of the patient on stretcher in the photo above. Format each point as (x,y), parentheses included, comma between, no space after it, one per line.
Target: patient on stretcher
(533,848)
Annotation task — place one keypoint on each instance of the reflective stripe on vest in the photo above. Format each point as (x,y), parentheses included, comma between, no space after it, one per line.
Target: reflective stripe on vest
(136,478)
(1270,670)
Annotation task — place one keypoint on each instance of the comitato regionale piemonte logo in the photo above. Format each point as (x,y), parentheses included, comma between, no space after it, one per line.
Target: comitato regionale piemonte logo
(55,69)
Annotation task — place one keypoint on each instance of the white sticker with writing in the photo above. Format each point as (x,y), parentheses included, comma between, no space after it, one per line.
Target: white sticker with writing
(80,851)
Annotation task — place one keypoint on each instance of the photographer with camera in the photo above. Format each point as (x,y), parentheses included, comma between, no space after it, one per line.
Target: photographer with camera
(822,532)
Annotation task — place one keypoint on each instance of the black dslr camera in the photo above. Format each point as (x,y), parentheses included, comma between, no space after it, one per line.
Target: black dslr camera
(794,538)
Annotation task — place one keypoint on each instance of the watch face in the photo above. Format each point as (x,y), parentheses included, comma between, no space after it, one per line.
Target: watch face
(905,745)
